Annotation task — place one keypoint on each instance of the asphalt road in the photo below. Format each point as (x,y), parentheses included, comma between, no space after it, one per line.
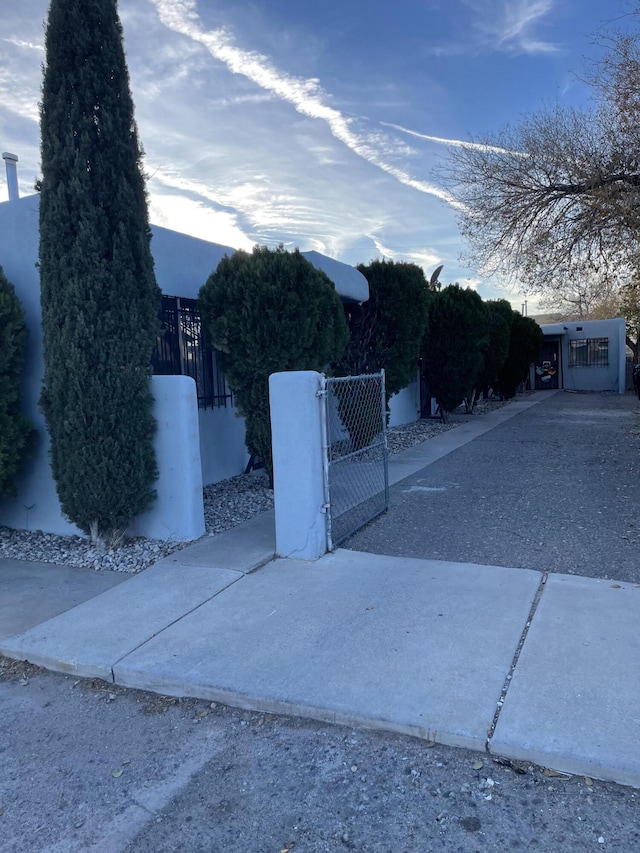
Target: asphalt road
(90,767)
(556,488)
(87,766)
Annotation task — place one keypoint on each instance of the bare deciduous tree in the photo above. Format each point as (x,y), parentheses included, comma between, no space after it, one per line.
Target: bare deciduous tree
(559,194)
(583,297)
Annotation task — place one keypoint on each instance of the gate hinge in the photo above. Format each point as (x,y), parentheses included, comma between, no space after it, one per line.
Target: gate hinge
(321,393)
(325,507)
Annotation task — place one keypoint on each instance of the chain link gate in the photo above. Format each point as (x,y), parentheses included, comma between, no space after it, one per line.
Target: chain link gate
(356,469)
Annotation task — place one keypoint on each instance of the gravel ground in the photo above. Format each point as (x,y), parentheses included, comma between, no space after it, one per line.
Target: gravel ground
(91,766)
(226,504)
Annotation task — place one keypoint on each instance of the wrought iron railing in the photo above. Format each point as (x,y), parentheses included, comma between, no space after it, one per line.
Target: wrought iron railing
(182,350)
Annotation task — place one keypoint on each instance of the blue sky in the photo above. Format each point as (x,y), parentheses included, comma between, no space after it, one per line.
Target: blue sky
(318,124)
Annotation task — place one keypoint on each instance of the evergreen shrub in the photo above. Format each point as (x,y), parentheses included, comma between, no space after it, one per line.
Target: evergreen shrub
(385,332)
(100,301)
(16,431)
(269,311)
(525,340)
(454,345)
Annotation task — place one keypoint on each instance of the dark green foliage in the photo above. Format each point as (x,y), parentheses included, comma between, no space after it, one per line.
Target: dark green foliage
(361,410)
(386,331)
(499,316)
(16,432)
(526,338)
(454,345)
(267,312)
(100,301)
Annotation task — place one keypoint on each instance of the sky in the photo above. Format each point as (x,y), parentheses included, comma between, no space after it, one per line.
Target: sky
(319,125)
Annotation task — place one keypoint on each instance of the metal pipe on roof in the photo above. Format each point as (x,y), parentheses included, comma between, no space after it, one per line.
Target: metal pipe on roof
(11,163)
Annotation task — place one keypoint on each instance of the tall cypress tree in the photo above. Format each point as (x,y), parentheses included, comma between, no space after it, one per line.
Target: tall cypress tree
(100,300)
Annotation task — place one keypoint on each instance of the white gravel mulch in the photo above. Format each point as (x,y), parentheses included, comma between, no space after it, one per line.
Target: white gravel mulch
(226,504)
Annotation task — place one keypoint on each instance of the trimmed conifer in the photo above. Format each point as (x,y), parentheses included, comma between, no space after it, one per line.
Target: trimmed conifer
(454,345)
(266,312)
(499,316)
(386,331)
(524,343)
(100,300)
(16,431)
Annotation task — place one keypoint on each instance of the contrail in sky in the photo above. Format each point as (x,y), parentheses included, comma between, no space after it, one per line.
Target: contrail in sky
(456,143)
(306,95)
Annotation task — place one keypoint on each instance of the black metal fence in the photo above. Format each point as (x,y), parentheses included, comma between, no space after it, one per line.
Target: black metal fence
(182,350)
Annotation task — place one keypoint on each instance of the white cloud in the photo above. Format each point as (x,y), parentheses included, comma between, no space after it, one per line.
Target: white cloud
(304,94)
(384,250)
(425,258)
(510,25)
(505,26)
(16,42)
(216,226)
(239,151)
(20,79)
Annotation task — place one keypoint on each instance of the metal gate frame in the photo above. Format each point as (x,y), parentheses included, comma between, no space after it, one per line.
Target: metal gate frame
(367,462)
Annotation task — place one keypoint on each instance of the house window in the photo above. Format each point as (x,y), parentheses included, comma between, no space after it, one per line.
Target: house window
(590,352)
(182,350)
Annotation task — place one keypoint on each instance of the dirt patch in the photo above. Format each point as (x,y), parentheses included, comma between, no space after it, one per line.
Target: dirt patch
(18,670)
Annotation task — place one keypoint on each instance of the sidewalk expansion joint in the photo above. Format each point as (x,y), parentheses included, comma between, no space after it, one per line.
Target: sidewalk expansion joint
(514,662)
(169,625)
(260,565)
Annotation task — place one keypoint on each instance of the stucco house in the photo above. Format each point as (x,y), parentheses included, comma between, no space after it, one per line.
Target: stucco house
(588,355)
(200,438)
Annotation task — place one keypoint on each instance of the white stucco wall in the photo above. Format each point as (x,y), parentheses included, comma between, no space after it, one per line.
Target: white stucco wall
(36,507)
(177,513)
(609,378)
(298,472)
(222,447)
(18,257)
(183,263)
(350,283)
(404,407)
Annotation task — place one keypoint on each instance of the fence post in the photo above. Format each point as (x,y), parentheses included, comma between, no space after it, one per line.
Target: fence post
(295,400)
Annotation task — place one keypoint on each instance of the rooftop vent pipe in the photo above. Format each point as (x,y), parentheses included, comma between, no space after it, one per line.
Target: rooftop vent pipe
(11,161)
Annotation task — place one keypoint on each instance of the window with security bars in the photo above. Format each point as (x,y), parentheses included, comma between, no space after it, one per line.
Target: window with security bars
(590,352)
(182,350)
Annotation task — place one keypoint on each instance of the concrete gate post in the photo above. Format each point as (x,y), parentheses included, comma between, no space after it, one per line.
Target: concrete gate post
(298,463)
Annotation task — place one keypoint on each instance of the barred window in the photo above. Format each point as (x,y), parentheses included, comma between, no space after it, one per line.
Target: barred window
(590,352)
(182,350)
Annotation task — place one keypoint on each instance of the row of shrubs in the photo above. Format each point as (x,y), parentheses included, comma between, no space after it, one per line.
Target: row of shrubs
(271,310)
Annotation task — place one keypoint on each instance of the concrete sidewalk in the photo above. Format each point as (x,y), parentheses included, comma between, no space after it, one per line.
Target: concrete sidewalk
(542,668)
